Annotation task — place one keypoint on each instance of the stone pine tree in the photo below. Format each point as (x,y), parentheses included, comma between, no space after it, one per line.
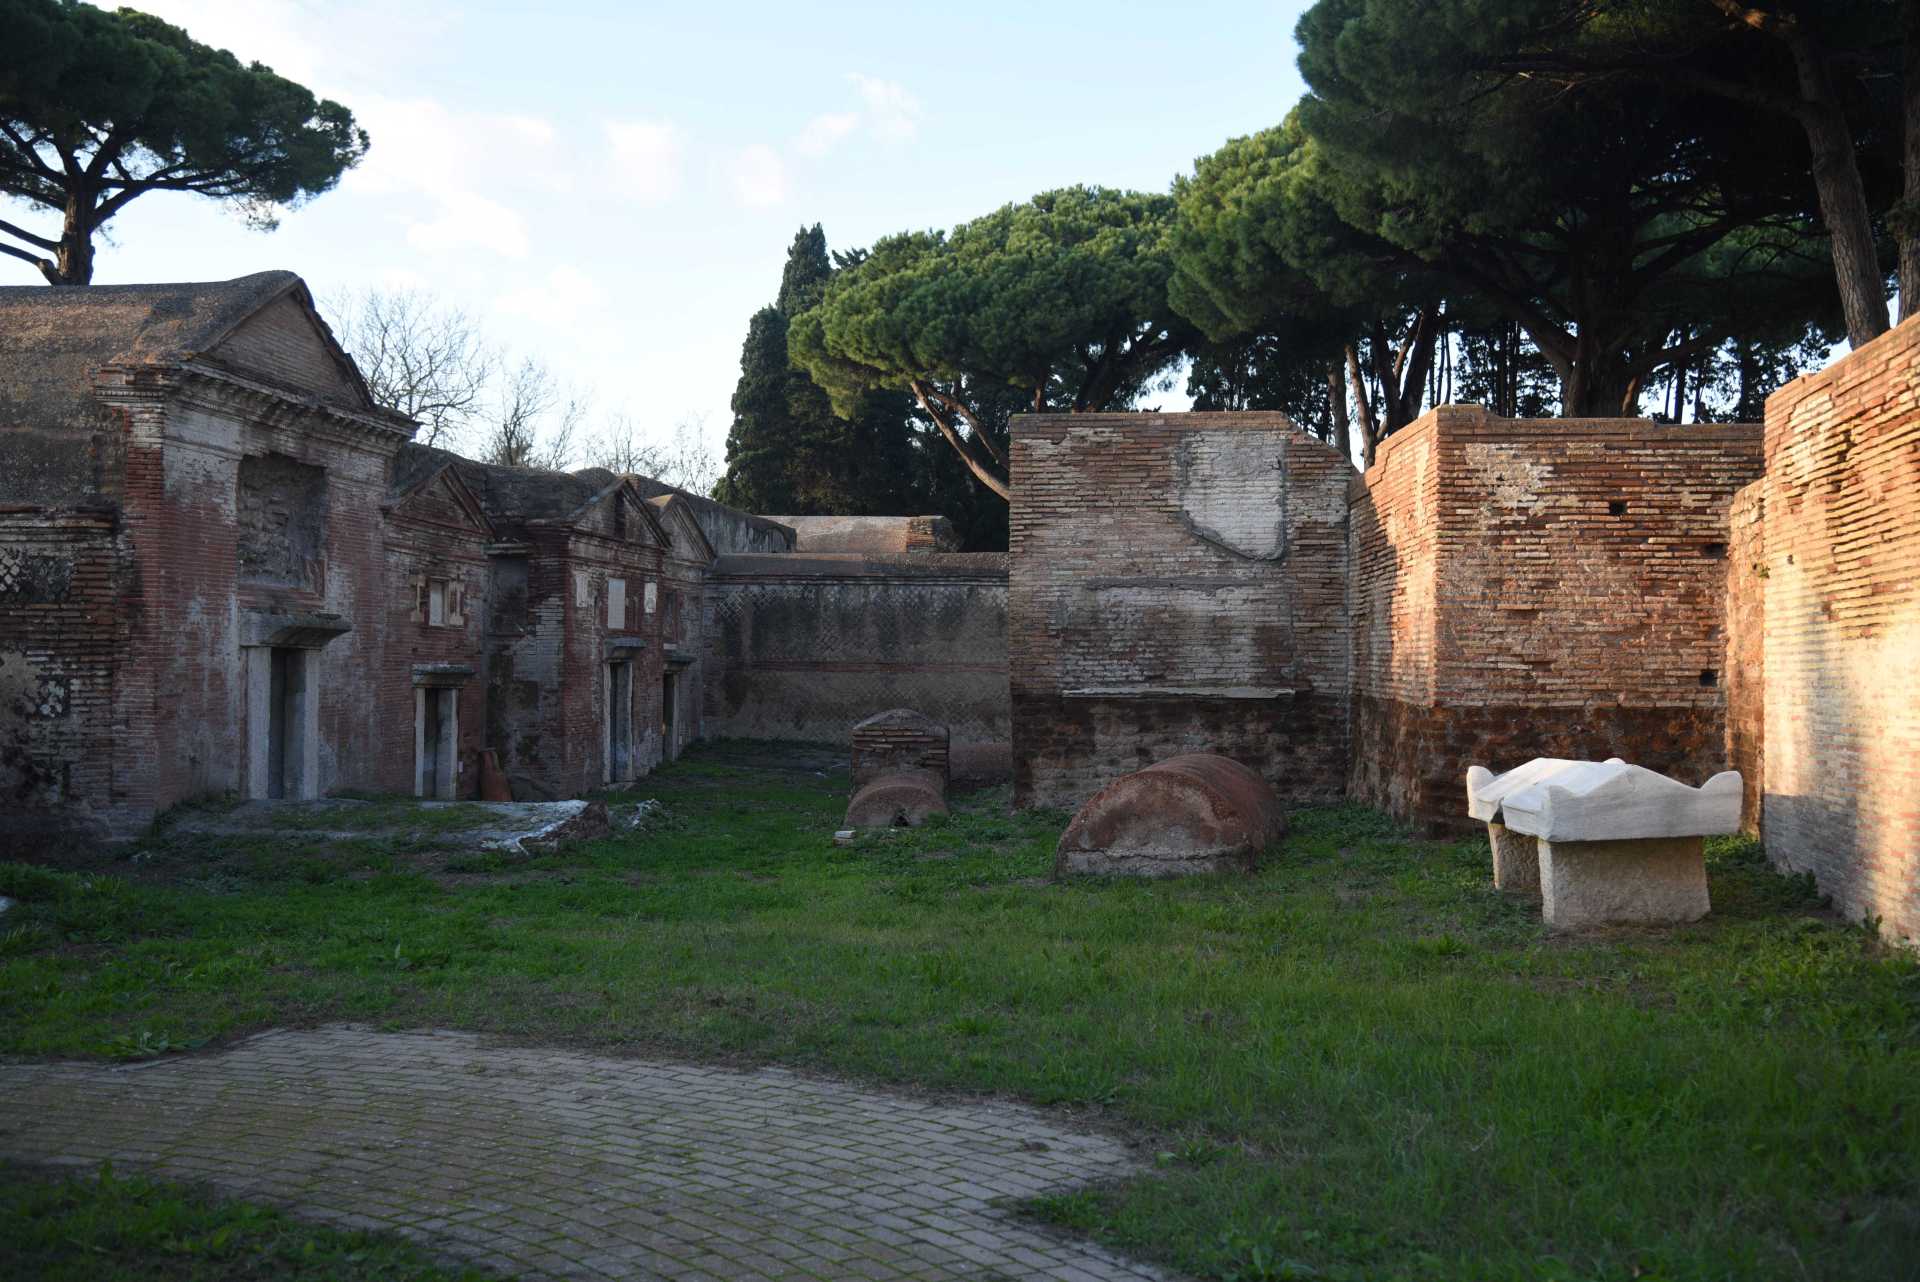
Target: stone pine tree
(1832,80)
(1302,312)
(98,109)
(1587,213)
(788,451)
(1062,298)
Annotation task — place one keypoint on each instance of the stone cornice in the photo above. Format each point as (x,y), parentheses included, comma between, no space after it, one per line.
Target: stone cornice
(219,391)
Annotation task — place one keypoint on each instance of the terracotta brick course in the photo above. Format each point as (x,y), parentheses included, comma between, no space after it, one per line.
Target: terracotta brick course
(1834,541)
(1528,588)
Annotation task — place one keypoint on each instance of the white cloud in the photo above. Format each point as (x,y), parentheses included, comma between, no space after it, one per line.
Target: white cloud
(647,157)
(824,132)
(557,302)
(758,176)
(892,114)
(887,112)
(468,221)
(422,145)
(322,44)
(429,158)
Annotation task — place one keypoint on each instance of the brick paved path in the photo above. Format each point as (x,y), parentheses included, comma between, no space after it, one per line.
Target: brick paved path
(563,1164)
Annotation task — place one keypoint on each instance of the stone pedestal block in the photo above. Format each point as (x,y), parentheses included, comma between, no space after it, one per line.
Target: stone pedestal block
(1653,881)
(1516,861)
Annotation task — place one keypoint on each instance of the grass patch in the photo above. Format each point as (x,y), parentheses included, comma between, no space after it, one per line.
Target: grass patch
(1360,1063)
(109,1228)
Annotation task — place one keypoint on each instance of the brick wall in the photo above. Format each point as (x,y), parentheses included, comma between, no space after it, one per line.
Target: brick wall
(432,537)
(1179,585)
(801,646)
(1529,588)
(1746,647)
(184,694)
(900,739)
(62,577)
(279,345)
(1839,589)
(548,676)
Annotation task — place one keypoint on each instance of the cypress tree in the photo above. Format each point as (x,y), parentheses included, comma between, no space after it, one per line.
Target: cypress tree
(787,451)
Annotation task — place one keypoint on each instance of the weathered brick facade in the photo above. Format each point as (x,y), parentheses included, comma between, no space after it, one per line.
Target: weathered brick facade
(223,569)
(1527,588)
(193,508)
(802,646)
(1179,585)
(62,578)
(1832,536)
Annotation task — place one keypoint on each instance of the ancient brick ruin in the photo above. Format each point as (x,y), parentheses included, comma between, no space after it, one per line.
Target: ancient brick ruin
(1539,588)
(803,645)
(1825,651)
(877,534)
(1179,585)
(1688,598)
(223,569)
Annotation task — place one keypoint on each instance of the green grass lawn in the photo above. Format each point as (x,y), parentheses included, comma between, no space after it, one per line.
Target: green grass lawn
(107,1228)
(1360,1063)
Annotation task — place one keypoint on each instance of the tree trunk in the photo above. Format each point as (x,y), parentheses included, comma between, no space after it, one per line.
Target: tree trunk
(75,265)
(1363,408)
(999,485)
(1597,384)
(1906,228)
(1747,411)
(1337,411)
(1843,197)
(1414,364)
(1510,369)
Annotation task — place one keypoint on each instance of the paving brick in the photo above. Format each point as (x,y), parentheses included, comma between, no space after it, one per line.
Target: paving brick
(389,1131)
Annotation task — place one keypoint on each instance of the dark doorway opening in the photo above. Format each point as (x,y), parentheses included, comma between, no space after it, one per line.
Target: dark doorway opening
(286,723)
(619,721)
(669,687)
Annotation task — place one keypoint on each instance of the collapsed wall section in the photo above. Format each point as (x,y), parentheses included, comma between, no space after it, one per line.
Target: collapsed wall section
(1179,586)
(1545,587)
(1838,587)
(802,646)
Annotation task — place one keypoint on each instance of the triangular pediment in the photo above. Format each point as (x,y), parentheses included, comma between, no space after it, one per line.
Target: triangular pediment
(618,512)
(688,540)
(444,499)
(286,344)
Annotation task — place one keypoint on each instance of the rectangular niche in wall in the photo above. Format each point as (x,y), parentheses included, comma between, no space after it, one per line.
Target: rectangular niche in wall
(283,518)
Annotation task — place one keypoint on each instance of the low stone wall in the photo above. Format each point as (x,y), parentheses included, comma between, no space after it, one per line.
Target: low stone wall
(870,535)
(803,646)
(1837,585)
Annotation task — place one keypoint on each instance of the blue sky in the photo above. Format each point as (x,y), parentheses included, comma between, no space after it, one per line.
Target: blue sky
(612,188)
